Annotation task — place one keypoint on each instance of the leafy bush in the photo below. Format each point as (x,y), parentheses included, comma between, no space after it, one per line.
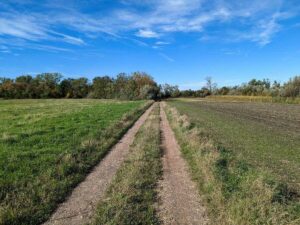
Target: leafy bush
(292,87)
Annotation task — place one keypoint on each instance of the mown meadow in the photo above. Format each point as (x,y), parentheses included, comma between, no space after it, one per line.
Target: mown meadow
(244,157)
(47,147)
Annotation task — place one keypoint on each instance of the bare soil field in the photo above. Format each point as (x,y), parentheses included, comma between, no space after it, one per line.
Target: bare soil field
(285,117)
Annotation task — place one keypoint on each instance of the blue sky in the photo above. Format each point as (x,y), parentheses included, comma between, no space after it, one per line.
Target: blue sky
(176,41)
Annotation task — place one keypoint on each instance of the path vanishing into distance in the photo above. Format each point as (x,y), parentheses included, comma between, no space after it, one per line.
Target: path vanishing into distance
(178,198)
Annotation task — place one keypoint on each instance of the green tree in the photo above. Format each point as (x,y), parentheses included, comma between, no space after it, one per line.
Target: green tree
(103,87)
(80,87)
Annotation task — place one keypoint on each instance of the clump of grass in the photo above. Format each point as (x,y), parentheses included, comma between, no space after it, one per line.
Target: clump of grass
(234,192)
(90,143)
(9,138)
(132,195)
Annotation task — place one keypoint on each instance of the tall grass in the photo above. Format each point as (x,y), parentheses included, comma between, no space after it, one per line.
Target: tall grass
(234,192)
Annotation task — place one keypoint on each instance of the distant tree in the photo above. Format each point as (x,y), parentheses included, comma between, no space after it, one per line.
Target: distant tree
(124,86)
(275,89)
(188,93)
(204,92)
(48,85)
(103,87)
(24,87)
(80,87)
(223,91)
(292,87)
(65,87)
(149,92)
(210,85)
(7,88)
(170,91)
(142,79)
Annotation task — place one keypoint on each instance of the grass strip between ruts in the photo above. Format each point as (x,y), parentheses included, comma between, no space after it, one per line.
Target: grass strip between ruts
(132,195)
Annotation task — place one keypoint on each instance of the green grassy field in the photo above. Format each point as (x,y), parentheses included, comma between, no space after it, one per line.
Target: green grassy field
(244,156)
(47,146)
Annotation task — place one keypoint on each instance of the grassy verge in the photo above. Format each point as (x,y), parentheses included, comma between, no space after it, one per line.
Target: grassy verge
(132,195)
(234,192)
(255,99)
(46,150)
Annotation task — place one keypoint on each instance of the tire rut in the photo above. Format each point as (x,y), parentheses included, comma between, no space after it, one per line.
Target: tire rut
(179,199)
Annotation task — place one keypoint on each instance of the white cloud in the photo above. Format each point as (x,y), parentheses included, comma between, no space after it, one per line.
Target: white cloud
(147,34)
(257,21)
(248,20)
(162,43)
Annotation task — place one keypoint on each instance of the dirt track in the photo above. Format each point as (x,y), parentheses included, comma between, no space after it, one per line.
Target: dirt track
(80,206)
(179,200)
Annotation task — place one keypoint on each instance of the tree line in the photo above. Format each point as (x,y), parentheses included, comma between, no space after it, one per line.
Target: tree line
(138,85)
(254,87)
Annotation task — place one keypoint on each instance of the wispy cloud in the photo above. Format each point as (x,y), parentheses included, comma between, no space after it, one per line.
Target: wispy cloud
(166,57)
(20,26)
(160,44)
(30,28)
(67,22)
(256,21)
